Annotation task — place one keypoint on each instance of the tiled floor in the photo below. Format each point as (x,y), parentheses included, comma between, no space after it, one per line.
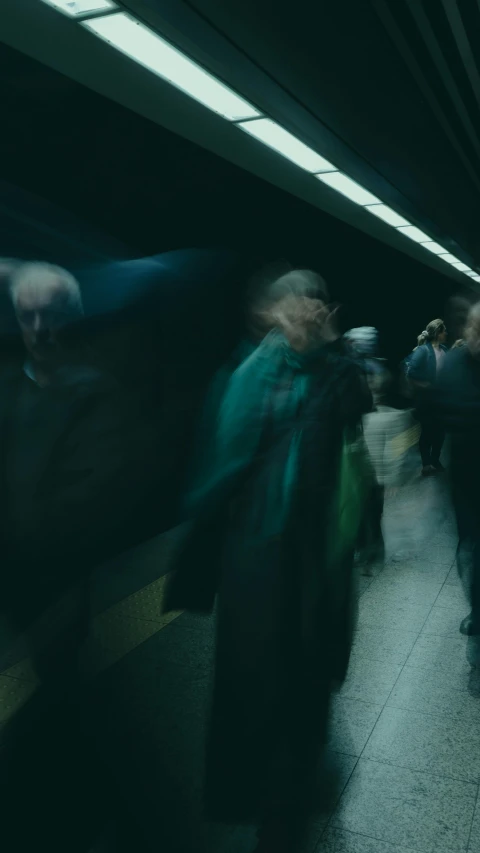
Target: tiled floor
(405,727)
(410,707)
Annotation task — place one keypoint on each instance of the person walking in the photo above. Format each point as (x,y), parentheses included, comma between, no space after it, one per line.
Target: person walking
(457,400)
(423,370)
(275,520)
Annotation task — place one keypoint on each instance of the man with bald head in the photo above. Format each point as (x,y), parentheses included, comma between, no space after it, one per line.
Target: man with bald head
(68,476)
(458,400)
(46,300)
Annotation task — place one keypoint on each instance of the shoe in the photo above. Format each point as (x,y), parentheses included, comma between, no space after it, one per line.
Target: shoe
(466,625)
(428,471)
(438,467)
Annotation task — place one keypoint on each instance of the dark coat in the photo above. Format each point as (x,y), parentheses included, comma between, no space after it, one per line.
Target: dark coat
(258,538)
(422,365)
(74,478)
(457,403)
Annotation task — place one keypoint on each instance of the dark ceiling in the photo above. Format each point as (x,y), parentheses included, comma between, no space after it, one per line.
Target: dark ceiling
(398,80)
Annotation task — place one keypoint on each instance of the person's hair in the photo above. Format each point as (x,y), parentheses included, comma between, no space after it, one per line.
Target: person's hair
(431,333)
(258,295)
(37,272)
(294,283)
(301,283)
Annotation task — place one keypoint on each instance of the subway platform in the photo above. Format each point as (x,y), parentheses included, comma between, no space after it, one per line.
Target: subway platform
(405,729)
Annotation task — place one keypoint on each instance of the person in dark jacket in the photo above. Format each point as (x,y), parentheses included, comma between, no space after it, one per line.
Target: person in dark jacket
(261,527)
(423,370)
(458,406)
(71,475)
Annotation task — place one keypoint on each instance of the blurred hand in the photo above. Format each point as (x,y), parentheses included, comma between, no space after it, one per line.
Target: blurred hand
(327,320)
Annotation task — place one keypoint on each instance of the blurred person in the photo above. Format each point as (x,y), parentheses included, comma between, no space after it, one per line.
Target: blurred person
(68,461)
(423,370)
(383,428)
(267,536)
(75,485)
(458,404)
(457,309)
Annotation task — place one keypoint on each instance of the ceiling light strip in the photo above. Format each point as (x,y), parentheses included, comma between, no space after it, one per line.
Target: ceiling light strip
(144,46)
(141,44)
(280,140)
(82,8)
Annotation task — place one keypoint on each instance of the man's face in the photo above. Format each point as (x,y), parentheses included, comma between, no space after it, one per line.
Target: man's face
(42,308)
(472,333)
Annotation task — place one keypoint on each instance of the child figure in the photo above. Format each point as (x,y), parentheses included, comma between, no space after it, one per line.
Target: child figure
(383,429)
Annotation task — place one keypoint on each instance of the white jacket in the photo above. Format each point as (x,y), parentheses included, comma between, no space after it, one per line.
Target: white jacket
(389,433)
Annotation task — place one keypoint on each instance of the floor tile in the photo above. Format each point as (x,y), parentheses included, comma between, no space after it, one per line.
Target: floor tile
(405,807)
(445,621)
(337,841)
(402,617)
(352,723)
(474,843)
(363,584)
(426,572)
(423,691)
(121,633)
(404,593)
(416,554)
(453,577)
(370,680)
(446,654)
(451,595)
(443,746)
(184,646)
(388,644)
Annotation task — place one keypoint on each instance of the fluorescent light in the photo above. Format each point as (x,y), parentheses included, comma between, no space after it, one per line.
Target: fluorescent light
(74,8)
(143,45)
(460,266)
(415,234)
(436,248)
(474,276)
(344,185)
(450,259)
(387,214)
(276,137)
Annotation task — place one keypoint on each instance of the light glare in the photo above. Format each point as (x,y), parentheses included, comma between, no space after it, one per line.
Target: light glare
(391,217)
(435,248)
(449,258)
(276,137)
(344,185)
(140,43)
(74,8)
(415,234)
